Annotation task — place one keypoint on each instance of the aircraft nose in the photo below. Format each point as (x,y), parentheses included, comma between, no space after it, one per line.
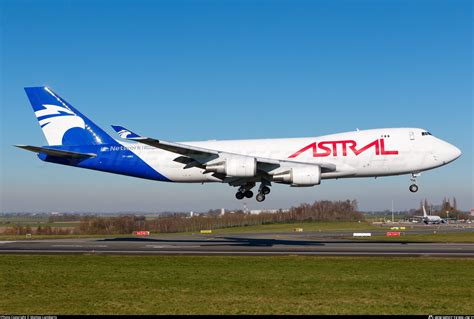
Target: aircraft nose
(453,153)
(456,152)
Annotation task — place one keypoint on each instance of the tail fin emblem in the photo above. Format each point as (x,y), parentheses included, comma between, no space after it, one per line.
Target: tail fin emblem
(124,133)
(56,120)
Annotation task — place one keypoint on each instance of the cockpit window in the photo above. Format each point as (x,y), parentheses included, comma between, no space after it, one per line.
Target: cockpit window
(425,133)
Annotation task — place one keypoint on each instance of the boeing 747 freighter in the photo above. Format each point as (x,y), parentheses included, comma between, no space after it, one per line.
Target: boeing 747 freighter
(75,140)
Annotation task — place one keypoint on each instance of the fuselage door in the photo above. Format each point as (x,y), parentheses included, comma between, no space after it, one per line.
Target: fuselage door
(412,135)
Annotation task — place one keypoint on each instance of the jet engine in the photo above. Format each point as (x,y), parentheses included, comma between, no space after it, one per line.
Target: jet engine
(241,166)
(300,176)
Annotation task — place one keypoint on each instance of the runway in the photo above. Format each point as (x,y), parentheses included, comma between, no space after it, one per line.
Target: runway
(235,245)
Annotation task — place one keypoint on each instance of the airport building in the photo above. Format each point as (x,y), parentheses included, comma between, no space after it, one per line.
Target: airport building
(259,211)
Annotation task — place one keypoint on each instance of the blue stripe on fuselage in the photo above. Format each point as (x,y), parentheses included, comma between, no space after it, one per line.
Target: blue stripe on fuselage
(112,158)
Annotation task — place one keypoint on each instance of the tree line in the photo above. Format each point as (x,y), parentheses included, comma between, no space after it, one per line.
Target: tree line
(40,230)
(318,211)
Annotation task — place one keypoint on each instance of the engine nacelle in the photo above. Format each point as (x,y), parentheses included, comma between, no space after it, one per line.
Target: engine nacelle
(300,176)
(241,166)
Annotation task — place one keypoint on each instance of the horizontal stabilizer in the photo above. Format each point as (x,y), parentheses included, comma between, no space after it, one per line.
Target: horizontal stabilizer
(56,153)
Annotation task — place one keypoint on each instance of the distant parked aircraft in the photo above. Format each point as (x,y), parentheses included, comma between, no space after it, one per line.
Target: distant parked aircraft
(430,219)
(75,140)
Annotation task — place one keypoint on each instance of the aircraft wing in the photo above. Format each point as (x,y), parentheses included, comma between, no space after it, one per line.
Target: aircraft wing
(56,153)
(178,148)
(204,155)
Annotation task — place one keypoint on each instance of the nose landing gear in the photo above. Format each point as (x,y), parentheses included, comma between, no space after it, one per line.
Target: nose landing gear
(413,187)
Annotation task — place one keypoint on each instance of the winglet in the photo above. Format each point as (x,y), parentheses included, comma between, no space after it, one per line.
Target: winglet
(126,133)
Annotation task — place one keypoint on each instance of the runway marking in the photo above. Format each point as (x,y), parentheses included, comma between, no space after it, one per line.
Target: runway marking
(80,246)
(171,246)
(7,242)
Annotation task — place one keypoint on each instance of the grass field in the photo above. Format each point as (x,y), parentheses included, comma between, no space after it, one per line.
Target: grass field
(234,285)
(34,237)
(307,226)
(458,237)
(438,237)
(288,227)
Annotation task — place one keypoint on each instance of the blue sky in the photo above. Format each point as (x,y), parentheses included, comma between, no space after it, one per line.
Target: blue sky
(192,70)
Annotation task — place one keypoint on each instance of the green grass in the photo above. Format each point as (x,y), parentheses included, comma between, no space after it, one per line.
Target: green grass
(19,219)
(461,237)
(33,223)
(234,285)
(307,226)
(287,227)
(34,237)
(458,237)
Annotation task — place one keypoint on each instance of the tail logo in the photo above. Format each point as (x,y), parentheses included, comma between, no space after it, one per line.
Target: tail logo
(56,120)
(124,133)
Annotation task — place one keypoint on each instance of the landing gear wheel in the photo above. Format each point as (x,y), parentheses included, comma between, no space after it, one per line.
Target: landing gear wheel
(260,197)
(265,190)
(248,194)
(413,188)
(239,195)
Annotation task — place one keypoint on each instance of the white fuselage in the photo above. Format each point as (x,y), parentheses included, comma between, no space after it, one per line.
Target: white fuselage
(432,219)
(364,153)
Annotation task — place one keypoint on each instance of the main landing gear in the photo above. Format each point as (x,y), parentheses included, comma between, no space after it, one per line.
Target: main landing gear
(413,187)
(245,191)
(240,195)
